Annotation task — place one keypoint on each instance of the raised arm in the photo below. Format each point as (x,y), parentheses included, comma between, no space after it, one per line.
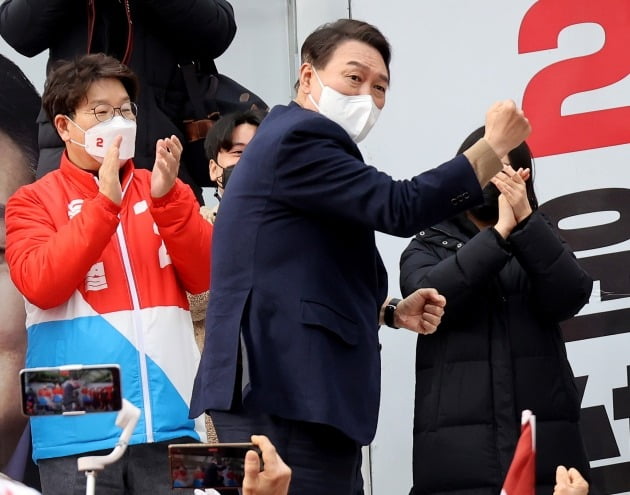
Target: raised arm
(42,258)
(186,234)
(559,286)
(458,276)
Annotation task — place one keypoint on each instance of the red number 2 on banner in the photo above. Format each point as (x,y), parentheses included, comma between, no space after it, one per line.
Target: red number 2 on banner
(553,133)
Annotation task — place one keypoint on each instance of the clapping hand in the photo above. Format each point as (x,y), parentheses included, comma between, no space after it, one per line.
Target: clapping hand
(511,184)
(514,205)
(108,178)
(167,155)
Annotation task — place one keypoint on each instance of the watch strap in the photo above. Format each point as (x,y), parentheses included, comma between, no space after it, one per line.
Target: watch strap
(388,314)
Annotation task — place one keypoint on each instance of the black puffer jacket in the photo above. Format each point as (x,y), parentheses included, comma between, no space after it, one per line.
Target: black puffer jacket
(497,352)
(163,33)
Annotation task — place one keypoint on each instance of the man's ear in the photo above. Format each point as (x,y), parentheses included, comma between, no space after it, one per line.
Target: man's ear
(214,170)
(61,124)
(306,74)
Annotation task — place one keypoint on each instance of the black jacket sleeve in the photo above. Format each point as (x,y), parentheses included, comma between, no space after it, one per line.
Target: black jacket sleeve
(559,286)
(32,26)
(207,26)
(457,276)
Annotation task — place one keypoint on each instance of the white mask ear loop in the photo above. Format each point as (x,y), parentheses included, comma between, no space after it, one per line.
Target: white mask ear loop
(72,140)
(321,85)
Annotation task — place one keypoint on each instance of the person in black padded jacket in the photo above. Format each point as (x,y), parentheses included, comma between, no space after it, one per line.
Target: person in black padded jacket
(152,37)
(508,279)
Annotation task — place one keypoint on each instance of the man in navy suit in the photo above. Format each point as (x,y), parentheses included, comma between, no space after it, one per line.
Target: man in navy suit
(298,286)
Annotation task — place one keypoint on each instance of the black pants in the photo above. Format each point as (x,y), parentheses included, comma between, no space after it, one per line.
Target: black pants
(143,469)
(322,459)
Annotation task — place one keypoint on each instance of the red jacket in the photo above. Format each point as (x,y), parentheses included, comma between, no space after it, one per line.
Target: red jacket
(107,284)
(51,249)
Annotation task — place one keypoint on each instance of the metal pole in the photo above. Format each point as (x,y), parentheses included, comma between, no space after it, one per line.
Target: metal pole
(294,55)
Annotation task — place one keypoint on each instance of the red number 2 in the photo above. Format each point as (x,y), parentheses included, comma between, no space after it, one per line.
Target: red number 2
(553,133)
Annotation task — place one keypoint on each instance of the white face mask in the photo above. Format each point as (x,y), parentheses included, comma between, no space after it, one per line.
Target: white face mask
(99,138)
(356,114)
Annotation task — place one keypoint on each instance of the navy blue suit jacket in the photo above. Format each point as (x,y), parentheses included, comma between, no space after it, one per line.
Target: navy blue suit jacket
(295,268)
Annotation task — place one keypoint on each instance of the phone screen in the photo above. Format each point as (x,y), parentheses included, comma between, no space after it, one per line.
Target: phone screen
(202,465)
(70,390)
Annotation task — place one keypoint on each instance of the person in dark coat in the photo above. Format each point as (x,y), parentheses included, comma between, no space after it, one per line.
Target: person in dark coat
(152,37)
(508,279)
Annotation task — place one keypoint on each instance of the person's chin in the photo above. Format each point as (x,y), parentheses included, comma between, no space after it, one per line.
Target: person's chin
(89,165)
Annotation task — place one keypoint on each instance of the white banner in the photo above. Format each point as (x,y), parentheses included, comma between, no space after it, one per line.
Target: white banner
(567,62)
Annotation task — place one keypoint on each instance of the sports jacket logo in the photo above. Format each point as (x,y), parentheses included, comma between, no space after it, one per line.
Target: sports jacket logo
(74,207)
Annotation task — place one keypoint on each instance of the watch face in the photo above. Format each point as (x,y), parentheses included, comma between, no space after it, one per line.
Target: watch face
(388,316)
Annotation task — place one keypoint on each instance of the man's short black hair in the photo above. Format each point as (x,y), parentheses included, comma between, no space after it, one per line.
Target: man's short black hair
(219,136)
(320,45)
(69,81)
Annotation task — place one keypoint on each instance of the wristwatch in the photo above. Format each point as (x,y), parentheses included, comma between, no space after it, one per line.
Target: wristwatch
(388,314)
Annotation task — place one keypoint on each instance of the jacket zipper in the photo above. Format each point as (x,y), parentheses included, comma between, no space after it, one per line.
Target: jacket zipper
(137,323)
(138,327)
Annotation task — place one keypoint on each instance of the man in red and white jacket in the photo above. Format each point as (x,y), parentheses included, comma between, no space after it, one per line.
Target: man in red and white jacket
(104,254)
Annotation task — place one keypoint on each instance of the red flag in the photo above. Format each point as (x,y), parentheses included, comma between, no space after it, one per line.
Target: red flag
(521,477)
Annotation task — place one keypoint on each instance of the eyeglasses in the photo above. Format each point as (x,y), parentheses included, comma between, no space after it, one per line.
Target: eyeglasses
(105,112)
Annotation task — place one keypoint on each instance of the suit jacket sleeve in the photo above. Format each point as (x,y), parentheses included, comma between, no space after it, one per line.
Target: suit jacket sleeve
(186,234)
(321,172)
(457,277)
(48,264)
(559,286)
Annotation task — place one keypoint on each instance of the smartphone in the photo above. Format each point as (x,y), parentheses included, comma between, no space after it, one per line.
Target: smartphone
(70,390)
(207,465)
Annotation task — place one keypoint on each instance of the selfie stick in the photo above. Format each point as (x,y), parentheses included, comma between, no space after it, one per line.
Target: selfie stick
(127,419)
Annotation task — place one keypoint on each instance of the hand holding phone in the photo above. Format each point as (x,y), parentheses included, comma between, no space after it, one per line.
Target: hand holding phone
(203,465)
(274,479)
